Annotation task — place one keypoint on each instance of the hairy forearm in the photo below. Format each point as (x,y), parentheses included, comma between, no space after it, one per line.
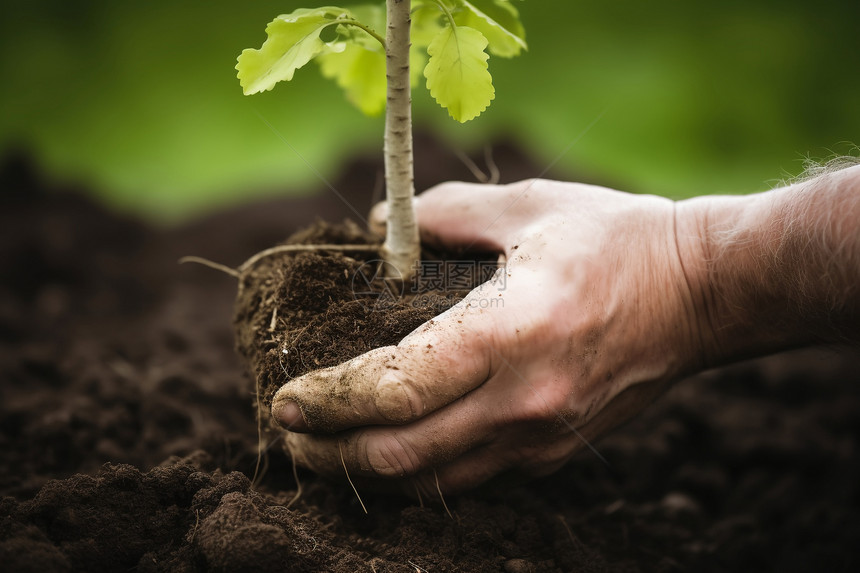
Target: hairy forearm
(775,270)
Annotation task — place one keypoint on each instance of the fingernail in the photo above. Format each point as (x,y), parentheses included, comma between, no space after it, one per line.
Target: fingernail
(289,415)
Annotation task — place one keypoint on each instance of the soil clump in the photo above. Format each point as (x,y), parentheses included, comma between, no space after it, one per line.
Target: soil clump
(128,435)
(300,311)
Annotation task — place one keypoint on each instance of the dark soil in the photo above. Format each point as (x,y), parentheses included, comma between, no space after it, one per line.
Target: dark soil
(128,433)
(299,311)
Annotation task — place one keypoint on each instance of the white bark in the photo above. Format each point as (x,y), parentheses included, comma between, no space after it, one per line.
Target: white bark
(401,248)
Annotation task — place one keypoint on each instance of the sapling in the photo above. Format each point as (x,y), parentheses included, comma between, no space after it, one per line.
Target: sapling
(448,39)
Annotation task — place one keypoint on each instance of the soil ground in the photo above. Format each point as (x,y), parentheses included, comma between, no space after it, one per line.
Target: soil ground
(128,434)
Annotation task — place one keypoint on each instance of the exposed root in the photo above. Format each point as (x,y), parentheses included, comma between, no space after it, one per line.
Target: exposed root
(286,350)
(477,173)
(211,264)
(196,525)
(567,528)
(260,472)
(243,268)
(349,479)
(491,178)
(418,493)
(442,497)
(495,175)
(281,361)
(260,452)
(299,488)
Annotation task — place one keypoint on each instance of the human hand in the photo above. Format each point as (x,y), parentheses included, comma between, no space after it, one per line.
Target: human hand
(593,321)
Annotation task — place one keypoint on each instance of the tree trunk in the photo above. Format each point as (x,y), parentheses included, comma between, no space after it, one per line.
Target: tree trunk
(401,248)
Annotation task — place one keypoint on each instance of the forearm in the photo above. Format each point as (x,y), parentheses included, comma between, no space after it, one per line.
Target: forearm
(775,270)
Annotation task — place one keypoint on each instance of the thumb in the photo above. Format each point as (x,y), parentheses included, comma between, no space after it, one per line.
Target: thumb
(439,362)
(467,216)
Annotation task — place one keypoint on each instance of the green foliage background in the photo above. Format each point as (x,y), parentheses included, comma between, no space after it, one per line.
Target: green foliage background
(140,100)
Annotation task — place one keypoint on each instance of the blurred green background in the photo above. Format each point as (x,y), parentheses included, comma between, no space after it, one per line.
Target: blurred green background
(140,100)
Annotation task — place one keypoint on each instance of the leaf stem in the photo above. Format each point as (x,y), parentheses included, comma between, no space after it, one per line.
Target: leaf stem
(447,12)
(357,24)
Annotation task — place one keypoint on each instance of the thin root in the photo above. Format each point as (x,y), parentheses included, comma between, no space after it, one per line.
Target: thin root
(211,264)
(442,497)
(260,452)
(349,479)
(196,525)
(495,175)
(491,178)
(418,493)
(238,272)
(299,248)
(299,488)
(477,173)
(573,538)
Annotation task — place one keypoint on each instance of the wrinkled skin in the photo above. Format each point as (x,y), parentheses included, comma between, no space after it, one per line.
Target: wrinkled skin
(608,298)
(593,319)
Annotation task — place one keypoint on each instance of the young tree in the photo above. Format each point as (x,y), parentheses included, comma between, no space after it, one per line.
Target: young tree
(448,39)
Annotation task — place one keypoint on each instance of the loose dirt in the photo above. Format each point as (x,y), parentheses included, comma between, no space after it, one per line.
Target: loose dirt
(300,311)
(128,434)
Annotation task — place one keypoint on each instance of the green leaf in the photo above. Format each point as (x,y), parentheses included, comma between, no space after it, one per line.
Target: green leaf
(361,74)
(360,68)
(426,24)
(293,40)
(498,21)
(371,16)
(457,74)
(417,63)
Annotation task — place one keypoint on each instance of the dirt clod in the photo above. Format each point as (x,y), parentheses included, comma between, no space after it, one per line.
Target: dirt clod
(128,434)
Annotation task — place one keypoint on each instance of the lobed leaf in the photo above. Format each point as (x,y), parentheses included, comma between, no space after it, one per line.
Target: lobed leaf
(292,41)
(457,74)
